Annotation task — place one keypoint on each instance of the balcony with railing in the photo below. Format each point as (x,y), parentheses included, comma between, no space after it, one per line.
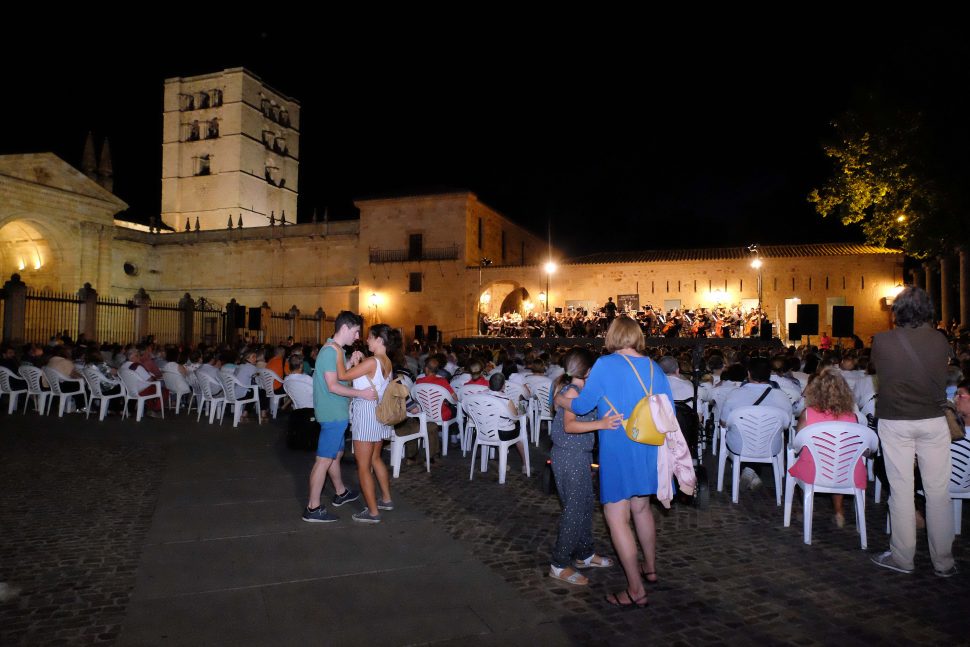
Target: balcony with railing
(404,255)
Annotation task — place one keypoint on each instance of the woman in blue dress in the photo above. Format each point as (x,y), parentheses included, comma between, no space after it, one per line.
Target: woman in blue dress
(628,470)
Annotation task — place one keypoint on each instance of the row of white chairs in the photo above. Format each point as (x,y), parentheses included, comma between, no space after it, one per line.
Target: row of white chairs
(203,391)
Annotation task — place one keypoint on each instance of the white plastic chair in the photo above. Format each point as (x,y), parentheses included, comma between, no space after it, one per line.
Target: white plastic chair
(6,388)
(541,409)
(35,388)
(94,379)
(836,448)
(398,442)
(208,398)
(229,381)
(465,425)
(265,378)
(133,386)
(177,387)
(460,380)
(959,479)
(718,398)
(430,397)
(55,380)
(761,430)
(486,412)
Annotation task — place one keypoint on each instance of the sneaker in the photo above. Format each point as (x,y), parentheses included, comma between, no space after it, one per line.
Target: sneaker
(839,520)
(320,515)
(885,560)
(749,479)
(385,505)
(364,516)
(950,572)
(348,496)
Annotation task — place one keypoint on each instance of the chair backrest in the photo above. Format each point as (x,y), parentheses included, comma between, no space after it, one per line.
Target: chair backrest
(32,375)
(92,377)
(960,466)
(406,381)
(460,380)
(540,387)
(5,375)
(486,412)
(468,389)
(228,386)
(299,392)
(836,448)
(265,378)
(175,383)
(516,392)
(430,397)
(760,429)
(130,380)
(205,386)
(720,394)
(53,380)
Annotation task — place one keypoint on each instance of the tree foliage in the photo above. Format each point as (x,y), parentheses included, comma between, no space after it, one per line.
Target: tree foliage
(880,181)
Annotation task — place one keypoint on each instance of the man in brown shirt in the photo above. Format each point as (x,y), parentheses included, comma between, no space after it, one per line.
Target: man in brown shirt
(911,368)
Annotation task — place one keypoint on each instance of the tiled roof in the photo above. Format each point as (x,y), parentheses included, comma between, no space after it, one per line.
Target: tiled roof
(730,253)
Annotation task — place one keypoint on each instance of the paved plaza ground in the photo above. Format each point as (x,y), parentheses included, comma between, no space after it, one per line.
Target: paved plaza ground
(177,533)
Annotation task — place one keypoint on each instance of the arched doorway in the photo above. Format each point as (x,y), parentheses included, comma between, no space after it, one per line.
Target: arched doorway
(504,296)
(25,250)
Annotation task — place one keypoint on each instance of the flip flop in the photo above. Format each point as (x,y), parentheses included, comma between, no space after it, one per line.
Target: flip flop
(573,577)
(593,561)
(646,576)
(613,599)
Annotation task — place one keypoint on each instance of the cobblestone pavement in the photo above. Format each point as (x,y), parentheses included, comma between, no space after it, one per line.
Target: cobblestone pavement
(74,510)
(76,501)
(729,574)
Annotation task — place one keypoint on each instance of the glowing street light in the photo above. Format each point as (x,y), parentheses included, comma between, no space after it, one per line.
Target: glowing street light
(757,264)
(550,268)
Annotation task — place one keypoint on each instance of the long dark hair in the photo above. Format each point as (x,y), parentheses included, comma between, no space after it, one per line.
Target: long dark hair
(390,336)
(577,362)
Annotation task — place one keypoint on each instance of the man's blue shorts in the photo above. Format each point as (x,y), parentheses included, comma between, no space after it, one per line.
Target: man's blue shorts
(331,438)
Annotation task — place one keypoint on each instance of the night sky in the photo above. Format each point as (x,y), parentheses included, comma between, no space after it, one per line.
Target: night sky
(624,135)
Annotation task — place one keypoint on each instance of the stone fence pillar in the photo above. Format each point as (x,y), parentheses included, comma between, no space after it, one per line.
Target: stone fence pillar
(293,315)
(318,325)
(142,303)
(14,309)
(186,319)
(87,312)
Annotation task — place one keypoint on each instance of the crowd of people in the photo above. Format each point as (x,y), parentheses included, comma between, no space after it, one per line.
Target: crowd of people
(337,385)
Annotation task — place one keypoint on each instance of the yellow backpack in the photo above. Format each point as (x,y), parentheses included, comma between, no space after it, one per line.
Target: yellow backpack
(640,426)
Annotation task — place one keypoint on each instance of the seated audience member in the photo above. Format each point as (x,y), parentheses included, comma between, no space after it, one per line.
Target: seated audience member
(431,376)
(10,362)
(146,381)
(275,364)
(508,426)
(245,373)
(476,372)
(680,387)
(299,385)
(757,390)
(59,361)
(210,370)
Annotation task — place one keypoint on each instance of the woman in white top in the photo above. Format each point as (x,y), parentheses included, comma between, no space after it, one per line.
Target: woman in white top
(367,432)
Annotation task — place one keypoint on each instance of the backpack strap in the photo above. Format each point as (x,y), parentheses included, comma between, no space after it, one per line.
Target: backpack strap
(763,396)
(637,373)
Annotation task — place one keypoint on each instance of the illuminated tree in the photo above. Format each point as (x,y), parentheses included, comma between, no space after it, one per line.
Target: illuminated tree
(881,183)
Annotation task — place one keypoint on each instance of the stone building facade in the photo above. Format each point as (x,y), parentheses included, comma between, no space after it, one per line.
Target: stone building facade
(429,260)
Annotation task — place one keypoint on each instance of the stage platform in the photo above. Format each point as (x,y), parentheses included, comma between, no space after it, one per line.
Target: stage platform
(597,342)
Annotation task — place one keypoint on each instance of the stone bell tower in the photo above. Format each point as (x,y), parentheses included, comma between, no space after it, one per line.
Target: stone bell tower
(230,147)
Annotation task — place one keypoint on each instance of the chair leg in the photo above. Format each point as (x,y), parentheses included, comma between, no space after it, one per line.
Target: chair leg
(471,471)
(161,402)
(720,470)
(957,515)
(140,411)
(395,457)
(878,493)
(427,451)
(735,477)
(776,464)
(503,459)
(860,516)
(528,465)
(808,501)
(104,409)
(445,426)
(789,495)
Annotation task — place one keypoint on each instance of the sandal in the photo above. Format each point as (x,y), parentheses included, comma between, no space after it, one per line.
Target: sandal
(568,575)
(647,575)
(593,561)
(613,599)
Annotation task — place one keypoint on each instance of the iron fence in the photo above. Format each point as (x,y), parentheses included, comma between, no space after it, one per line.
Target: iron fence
(115,320)
(163,321)
(278,329)
(208,323)
(306,330)
(48,314)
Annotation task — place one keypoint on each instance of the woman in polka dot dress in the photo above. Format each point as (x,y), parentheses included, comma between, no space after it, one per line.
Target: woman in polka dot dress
(572,454)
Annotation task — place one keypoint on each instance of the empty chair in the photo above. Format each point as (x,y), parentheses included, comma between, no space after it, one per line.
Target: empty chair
(465,424)
(265,379)
(133,387)
(430,397)
(178,387)
(487,413)
(211,397)
(836,449)
(32,375)
(229,382)
(95,382)
(753,435)
(8,389)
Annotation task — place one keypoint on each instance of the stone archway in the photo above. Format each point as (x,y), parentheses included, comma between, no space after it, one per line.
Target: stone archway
(503,296)
(28,249)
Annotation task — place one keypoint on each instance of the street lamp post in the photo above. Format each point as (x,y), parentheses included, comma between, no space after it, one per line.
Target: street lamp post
(550,267)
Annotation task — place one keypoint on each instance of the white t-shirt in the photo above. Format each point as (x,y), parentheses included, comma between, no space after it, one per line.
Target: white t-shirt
(749,393)
(681,388)
(300,389)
